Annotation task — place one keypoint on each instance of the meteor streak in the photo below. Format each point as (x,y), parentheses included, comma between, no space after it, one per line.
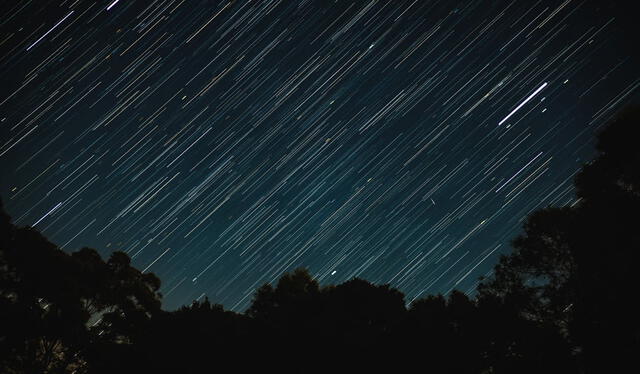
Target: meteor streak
(524,102)
(51,29)
(112,4)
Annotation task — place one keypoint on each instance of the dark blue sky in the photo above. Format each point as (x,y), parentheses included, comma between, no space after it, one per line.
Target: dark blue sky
(221,144)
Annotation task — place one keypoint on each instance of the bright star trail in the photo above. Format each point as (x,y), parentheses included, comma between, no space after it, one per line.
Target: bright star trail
(524,102)
(221,144)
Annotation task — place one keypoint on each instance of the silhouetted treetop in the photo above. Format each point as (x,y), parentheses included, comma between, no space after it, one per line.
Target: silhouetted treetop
(561,302)
(573,267)
(615,170)
(54,303)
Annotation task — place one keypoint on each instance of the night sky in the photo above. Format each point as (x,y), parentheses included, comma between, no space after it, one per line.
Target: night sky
(221,144)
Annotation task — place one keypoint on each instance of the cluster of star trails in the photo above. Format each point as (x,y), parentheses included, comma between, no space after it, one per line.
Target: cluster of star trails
(222,143)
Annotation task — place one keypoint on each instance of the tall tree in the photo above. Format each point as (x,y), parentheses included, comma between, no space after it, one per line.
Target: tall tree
(574,267)
(55,306)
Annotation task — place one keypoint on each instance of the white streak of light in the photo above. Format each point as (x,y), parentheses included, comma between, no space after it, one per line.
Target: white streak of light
(524,102)
(112,4)
(51,211)
(154,261)
(519,171)
(51,29)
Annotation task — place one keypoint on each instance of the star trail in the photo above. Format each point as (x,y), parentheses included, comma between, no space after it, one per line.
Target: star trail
(222,143)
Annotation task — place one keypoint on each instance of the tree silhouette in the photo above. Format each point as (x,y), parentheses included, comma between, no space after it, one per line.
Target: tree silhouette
(574,266)
(605,313)
(295,293)
(192,339)
(359,313)
(539,274)
(42,318)
(562,301)
(49,299)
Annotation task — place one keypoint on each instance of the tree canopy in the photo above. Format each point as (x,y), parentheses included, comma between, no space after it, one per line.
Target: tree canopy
(561,301)
(575,266)
(54,305)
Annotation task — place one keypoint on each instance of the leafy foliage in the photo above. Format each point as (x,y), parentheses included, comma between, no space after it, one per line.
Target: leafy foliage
(562,301)
(574,267)
(53,304)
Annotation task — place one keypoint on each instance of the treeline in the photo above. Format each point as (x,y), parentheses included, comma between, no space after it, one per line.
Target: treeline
(564,301)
